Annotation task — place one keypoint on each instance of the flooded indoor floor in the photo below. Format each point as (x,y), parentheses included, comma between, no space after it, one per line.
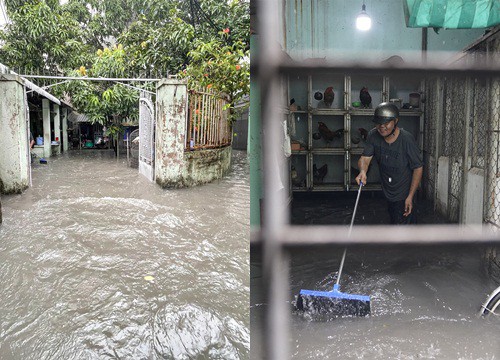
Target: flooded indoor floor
(425,301)
(96,263)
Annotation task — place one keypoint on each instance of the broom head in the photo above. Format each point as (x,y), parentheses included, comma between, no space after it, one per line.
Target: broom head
(333,303)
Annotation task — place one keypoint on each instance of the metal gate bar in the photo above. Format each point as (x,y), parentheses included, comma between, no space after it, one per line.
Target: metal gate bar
(146,138)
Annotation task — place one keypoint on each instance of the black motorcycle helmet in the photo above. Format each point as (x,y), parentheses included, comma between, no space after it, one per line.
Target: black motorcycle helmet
(385,112)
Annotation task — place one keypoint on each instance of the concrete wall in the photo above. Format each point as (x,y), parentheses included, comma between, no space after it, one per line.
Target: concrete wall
(473,212)
(64,112)
(203,166)
(175,168)
(56,149)
(442,185)
(46,128)
(14,141)
(170,132)
(472,202)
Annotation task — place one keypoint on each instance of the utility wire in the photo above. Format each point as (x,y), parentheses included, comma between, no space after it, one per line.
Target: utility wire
(193,23)
(87,78)
(204,14)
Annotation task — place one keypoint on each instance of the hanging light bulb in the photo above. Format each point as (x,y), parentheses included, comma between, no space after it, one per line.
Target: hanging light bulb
(363,21)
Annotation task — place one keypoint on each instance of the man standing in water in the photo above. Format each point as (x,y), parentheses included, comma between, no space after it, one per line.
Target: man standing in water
(399,160)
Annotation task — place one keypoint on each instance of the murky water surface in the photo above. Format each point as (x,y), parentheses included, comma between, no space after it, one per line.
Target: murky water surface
(424,300)
(76,247)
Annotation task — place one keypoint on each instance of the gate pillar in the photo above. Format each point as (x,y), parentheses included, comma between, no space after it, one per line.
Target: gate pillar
(14,146)
(170,132)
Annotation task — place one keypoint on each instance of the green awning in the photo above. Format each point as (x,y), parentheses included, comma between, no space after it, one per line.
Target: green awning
(452,14)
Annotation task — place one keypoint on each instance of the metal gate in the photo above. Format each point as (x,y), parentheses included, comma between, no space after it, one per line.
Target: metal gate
(146,138)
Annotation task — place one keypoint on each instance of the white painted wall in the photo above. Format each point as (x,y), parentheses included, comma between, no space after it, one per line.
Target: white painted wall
(14,140)
(56,150)
(46,127)
(320,28)
(474,197)
(442,184)
(64,117)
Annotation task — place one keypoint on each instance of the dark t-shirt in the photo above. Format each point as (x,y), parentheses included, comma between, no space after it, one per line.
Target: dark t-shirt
(396,162)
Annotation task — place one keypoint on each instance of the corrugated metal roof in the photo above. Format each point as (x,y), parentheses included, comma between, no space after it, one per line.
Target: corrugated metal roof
(452,14)
(76,117)
(40,91)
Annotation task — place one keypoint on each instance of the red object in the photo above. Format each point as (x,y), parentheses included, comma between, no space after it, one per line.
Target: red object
(328,96)
(57,139)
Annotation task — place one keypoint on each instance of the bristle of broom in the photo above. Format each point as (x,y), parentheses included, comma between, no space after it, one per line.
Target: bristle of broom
(330,303)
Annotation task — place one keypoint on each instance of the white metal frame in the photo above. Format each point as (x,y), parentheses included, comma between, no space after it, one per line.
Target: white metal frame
(146,138)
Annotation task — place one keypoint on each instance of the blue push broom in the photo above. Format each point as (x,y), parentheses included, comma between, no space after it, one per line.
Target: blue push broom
(335,302)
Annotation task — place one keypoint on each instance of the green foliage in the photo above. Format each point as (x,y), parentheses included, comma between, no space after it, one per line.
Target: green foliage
(159,40)
(159,50)
(42,37)
(219,66)
(113,131)
(217,15)
(158,37)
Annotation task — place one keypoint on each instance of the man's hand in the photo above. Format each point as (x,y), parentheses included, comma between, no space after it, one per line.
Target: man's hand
(361,178)
(408,206)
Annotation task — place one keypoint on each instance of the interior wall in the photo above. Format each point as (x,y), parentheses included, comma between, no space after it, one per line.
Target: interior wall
(326,29)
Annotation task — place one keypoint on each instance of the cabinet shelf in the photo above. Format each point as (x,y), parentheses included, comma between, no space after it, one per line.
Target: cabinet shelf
(328,151)
(369,112)
(300,189)
(341,155)
(327,112)
(361,112)
(328,187)
(410,112)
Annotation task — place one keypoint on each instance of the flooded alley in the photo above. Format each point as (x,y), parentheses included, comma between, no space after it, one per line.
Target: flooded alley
(97,262)
(425,300)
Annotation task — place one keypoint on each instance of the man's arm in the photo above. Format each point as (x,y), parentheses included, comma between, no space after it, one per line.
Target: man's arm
(415,182)
(363,163)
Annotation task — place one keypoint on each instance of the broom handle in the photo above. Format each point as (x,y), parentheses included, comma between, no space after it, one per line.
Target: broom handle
(350,230)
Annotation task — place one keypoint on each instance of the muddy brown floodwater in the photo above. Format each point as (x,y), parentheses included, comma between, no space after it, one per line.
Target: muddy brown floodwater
(96,263)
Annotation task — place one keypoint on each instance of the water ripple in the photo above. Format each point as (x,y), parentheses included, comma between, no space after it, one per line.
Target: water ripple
(76,249)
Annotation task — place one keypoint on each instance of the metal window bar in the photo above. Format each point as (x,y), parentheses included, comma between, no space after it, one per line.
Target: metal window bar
(276,234)
(208,124)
